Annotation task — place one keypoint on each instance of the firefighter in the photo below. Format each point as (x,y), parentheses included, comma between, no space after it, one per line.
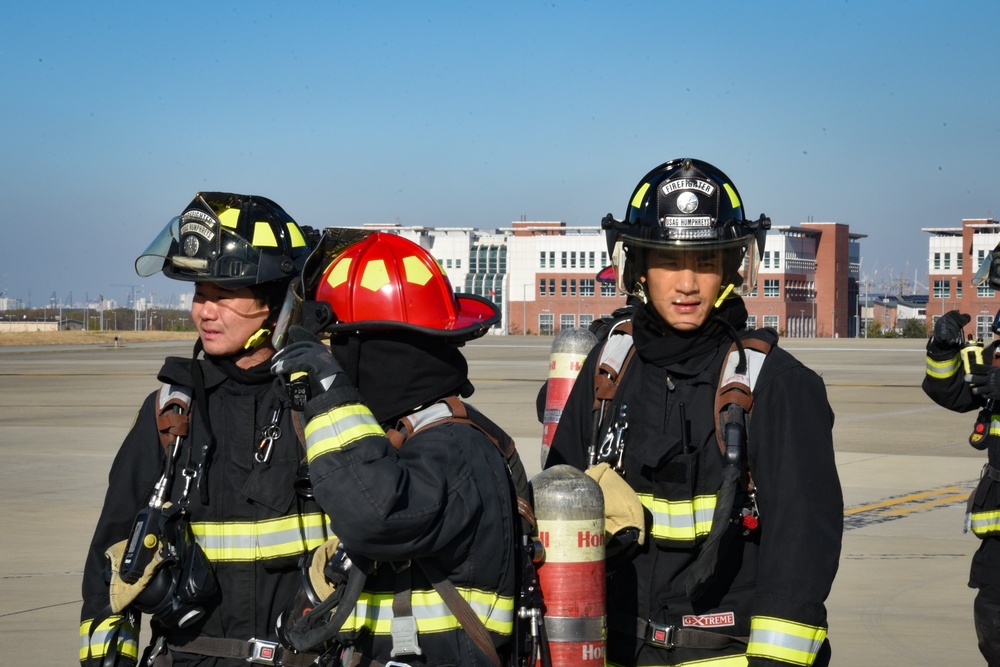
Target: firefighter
(743,533)
(427,509)
(963,385)
(226,525)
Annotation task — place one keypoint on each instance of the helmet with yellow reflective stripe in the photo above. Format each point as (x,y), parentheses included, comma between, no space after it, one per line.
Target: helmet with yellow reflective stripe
(229,239)
(686,204)
(387,282)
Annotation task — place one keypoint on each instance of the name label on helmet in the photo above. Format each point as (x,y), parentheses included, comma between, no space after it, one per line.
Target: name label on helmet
(199,229)
(686,221)
(688,184)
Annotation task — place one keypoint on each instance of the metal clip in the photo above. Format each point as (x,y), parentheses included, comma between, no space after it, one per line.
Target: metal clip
(660,635)
(263,652)
(403,630)
(271,433)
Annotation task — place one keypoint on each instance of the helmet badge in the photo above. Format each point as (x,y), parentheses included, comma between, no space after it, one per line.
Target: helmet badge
(687,202)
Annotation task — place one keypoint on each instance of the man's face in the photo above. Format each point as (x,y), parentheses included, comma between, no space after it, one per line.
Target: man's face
(683,285)
(226,319)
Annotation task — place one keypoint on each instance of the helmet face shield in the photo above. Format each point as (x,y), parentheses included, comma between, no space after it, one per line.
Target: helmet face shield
(989,271)
(188,249)
(735,262)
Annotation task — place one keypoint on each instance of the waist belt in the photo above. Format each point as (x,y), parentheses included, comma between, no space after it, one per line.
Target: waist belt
(670,636)
(254,651)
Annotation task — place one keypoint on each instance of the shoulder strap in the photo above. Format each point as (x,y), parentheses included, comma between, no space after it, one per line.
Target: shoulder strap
(173,413)
(734,397)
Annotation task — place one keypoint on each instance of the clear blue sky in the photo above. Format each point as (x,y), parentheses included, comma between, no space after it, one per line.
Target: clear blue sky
(880,115)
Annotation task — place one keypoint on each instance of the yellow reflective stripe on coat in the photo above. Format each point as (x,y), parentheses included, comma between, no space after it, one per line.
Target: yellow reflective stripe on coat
(785,641)
(941,370)
(985,523)
(262,540)
(335,429)
(374,611)
(113,628)
(680,519)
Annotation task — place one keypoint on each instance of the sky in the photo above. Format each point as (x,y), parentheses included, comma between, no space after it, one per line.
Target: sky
(879,115)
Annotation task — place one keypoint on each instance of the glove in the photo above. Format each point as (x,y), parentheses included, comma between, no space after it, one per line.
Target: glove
(306,354)
(948,334)
(624,515)
(984,380)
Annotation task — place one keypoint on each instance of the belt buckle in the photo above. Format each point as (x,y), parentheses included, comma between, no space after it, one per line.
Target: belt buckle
(660,635)
(263,652)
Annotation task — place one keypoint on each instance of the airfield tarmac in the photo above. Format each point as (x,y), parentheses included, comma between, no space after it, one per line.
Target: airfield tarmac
(900,598)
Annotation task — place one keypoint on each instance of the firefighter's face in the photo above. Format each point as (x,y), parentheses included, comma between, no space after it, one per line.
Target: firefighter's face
(226,319)
(683,285)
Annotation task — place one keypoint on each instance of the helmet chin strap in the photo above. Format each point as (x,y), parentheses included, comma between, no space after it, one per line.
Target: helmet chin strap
(725,293)
(259,337)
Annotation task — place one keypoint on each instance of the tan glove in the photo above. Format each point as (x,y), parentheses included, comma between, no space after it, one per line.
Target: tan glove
(622,508)
(324,552)
(122,594)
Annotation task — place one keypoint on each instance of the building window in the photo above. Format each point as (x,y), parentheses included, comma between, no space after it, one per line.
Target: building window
(983,327)
(942,289)
(564,253)
(777,259)
(552,259)
(572,260)
(771,289)
(590,260)
(586,319)
(604,259)
(552,286)
(545,323)
(608,289)
(567,321)
(572,287)
(947,261)
(958,289)
(587,287)
(541,287)
(541,259)
(563,287)
(937,260)
(767,259)
(771,321)
(751,321)
(458,263)
(958,260)
(985,291)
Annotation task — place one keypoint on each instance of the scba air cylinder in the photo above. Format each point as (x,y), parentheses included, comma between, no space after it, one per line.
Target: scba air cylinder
(569,350)
(569,510)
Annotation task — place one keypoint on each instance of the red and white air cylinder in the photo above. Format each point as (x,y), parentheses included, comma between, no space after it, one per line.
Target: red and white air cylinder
(569,510)
(569,350)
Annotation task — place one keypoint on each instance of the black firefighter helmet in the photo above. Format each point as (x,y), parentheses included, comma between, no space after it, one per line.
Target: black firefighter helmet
(229,239)
(686,204)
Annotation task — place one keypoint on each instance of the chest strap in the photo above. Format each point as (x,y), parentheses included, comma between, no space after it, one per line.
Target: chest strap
(254,651)
(670,636)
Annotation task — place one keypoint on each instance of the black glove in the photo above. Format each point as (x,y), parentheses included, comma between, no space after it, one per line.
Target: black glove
(948,334)
(984,380)
(306,354)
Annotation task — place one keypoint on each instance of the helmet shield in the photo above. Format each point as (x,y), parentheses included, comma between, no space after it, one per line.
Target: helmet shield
(989,271)
(233,240)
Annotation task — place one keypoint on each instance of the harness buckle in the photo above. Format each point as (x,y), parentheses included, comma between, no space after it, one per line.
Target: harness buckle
(403,630)
(263,652)
(660,635)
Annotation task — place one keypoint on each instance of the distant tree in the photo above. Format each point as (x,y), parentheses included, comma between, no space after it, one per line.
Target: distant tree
(914,328)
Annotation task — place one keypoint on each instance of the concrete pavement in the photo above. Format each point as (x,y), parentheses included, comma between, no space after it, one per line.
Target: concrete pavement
(900,598)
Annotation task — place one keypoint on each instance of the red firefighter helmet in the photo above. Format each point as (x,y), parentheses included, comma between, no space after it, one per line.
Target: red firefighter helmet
(388,282)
